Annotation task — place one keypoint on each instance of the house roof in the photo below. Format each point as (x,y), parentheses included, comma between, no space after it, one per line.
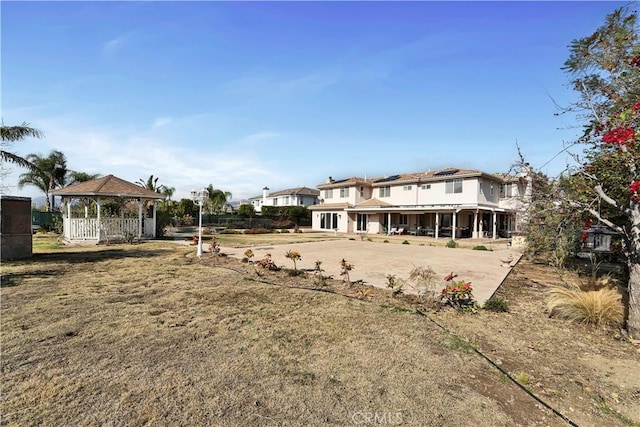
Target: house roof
(415,177)
(328,206)
(108,186)
(297,191)
(373,203)
(347,182)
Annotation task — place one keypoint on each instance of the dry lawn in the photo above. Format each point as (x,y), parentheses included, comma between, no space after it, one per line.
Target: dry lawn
(150,335)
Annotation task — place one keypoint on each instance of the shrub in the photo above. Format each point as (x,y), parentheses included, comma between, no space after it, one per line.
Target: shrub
(257,230)
(452,244)
(385,241)
(406,242)
(425,282)
(229,231)
(458,294)
(267,263)
(480,248)
(345,268)
(599,307)
(248,254)
(496,304)
(394,284)
(294,272)
(293,256)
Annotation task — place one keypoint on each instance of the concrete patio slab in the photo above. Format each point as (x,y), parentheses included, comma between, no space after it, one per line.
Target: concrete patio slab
(373,261)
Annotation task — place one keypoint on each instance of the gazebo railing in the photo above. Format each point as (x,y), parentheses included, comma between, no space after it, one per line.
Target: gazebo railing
(110,228)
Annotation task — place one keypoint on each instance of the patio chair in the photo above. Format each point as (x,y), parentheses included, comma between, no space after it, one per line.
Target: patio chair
(393,230)
(398,231)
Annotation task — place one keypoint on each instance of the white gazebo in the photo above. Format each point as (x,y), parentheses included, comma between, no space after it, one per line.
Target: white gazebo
(101,228)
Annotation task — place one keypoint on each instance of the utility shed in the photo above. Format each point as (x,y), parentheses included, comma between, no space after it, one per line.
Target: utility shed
(16,235)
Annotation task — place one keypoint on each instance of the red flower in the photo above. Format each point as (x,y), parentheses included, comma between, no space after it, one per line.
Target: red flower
(619,135)
(636,107)
(634,190)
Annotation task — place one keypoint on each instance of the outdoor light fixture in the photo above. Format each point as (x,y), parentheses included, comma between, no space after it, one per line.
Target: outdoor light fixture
(199,197)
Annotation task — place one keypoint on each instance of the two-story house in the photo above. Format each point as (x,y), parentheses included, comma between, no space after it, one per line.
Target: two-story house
(449,202)
(299,196)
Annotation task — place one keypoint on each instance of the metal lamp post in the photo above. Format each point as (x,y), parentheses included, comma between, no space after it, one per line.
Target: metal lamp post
(199,197)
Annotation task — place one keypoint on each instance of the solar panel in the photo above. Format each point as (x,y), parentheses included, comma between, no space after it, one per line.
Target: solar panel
(446,172)
(389,178)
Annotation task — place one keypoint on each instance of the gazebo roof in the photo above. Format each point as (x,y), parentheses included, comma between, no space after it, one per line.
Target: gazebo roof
(108,186)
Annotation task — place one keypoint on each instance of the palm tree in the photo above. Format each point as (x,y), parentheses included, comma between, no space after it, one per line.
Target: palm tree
(167,192)
(74,177)
(150,184)
(11,134)
(49,173)
(217,200)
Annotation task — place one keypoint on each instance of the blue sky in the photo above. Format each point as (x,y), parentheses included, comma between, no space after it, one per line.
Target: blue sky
(244,95)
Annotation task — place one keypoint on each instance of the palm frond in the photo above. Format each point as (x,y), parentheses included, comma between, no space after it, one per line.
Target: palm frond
(17,160)
(17,133)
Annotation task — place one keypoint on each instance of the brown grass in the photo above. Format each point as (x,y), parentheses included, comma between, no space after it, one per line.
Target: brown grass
(590,300)
(150,335)
(601,307)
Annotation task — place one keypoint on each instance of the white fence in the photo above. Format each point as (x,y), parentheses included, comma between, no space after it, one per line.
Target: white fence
(105,229)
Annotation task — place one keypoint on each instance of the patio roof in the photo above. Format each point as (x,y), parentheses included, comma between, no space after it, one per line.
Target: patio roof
(108,186)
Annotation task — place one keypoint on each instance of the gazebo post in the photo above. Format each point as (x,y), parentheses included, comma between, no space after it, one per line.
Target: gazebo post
(99,208)
(155,209)
(140,203)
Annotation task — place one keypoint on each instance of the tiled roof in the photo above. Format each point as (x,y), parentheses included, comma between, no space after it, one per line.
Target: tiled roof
(298,191)
(328,206)
(347,182)
(372,203)
(108,186)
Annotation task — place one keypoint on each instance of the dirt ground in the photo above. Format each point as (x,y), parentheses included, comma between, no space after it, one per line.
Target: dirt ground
(151,335)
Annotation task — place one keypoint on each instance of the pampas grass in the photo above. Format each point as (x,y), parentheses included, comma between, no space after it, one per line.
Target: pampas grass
(598,307)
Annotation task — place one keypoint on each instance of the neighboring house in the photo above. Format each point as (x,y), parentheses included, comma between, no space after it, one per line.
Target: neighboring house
(299,196)
(449,202)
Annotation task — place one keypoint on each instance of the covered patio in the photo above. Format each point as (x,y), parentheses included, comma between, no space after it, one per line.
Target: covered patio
(84,219)
(454,221)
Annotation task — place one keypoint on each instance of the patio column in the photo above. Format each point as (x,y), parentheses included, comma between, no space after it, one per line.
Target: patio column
(86,211)
(68,209)
(389,222)
(495,230)
(140,203)
(481,226)
(475,225)
(453,228)
(437,224)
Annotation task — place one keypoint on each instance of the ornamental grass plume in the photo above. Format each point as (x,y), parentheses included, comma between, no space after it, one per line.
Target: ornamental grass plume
(594,306)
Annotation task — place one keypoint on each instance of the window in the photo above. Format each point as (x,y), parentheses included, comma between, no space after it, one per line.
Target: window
(506,190)
(328,194)
(404,219)
(426,187)
(453,186)
(406,188)
(275,201)
(361,222)
(491,189)
(328,221)
(385,191)
(286,200)
(344,192)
